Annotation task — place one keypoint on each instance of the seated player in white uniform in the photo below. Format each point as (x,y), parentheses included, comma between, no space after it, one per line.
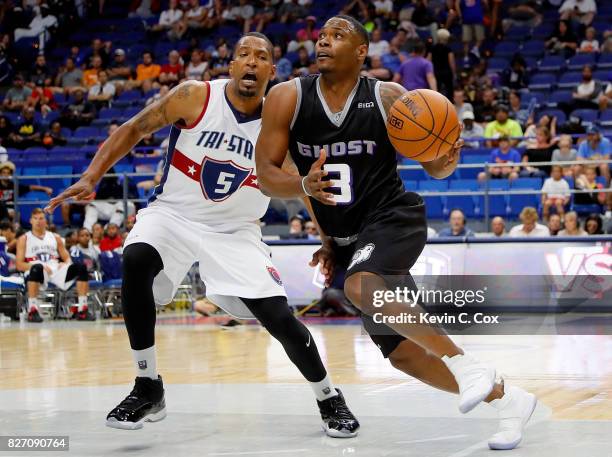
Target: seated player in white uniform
(42,256)
(206,210)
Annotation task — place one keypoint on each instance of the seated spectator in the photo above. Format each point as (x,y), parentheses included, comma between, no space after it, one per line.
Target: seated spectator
(241,14)
(192,19)
(541,151)
(554,224)
(565,153)
(49,261)
(306,37)
(7,187)
(5,129)
(148,144)
(605,97)
(457,225)
(119,71)
(531,132)
(197,66)
(596,147)
(590,42)
(378,46)
(283,65)
(311,231)
(147,72)
(572,225)
(393,59)
(264,15)
(163,90)
(485,108)
(503,154)
(90,75)
(291,11)
(581,11)
(498,226)
(424,17)
(168,18)
(529,226)
(525,13)
(520,115)
(78,113)
(101,94)
(41,27)
(97,233)
(41,72)
(17,96)
(296,228)
(416,72)
(302,64)
(443,61)
(563,40)
(112,238)
(98,49)
(593,224)
(461,106)
(586,95)
(7,230)
(54,136)
(516,75)
(588,182)
(471,130)
(42,99)
(555,193)
(219,64)
(69,77)
(171,72)
(27,131)
(86,252)
(503,126)
(108,203)
(377,70)
(383,8)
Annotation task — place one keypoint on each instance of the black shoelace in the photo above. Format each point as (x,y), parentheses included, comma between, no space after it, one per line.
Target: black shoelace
(338,406)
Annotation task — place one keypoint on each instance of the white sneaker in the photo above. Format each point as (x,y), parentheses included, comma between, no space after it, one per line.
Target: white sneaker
(474,378)
(514,408)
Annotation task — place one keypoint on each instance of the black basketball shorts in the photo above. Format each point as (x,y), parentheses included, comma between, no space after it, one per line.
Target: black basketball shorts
(389,245)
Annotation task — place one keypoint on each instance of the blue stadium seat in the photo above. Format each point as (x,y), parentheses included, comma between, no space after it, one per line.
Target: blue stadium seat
(434,207)
(584,210)
(580,60)
(605,61)
(527,183)
(124,168)
(413,175)
(542,81)
(543,31)
(517,33)
(552,63)
(411,186)
(463,184)
(560,115)
(109,113)
(434,185)
(58,184)
(86,132)
(560,96)
(498,205)
(497,64)
(131,112)
(602,76)
(130,95)
(496,184)
(517,202)
(464,202)
(569,80)
(533,48)
(505,49)
(605,118)
(32,171)
(587,115)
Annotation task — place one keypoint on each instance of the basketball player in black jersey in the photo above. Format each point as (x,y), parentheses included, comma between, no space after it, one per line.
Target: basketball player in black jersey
(333,125)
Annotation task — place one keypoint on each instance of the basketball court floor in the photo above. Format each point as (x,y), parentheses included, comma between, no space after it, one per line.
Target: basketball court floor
(234,393)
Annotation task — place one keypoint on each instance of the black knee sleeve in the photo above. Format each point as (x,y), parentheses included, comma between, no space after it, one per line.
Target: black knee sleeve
(141,263)
(36,274)
(276,316)
(78,271)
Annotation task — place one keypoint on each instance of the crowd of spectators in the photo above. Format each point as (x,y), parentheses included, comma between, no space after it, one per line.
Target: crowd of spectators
(411,42)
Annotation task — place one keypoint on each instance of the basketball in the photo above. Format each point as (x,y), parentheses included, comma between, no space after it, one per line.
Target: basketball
(423,125)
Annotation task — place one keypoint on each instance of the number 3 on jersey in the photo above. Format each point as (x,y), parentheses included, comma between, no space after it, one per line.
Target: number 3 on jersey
(341,174)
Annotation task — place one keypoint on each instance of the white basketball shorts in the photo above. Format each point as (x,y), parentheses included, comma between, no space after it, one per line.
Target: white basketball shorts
(233,260)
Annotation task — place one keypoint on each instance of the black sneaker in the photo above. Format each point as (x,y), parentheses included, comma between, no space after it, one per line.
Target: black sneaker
(145,403)
(338,421)
(85,315)
(34,316)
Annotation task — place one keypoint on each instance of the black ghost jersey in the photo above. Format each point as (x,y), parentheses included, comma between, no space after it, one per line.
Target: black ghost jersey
(360,158)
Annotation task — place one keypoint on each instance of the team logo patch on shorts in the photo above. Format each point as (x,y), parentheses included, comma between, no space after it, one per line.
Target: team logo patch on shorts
(275,275)
(361,255)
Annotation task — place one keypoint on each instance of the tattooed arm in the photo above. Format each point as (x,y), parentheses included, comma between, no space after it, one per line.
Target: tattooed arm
(183,105)
(442,166)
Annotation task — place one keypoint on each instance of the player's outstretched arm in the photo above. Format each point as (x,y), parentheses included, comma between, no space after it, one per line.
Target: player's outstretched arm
(271,150)
(439,168)
(182,104)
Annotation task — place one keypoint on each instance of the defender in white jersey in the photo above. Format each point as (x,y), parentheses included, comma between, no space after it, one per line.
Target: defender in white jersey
(42,256)
(206,209)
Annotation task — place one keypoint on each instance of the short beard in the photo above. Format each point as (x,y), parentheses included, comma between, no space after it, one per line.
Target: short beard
(247,92)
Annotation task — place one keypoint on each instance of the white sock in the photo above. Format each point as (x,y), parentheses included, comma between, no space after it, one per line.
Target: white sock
(32,304)
(146,363)
(82,302)
(324,389)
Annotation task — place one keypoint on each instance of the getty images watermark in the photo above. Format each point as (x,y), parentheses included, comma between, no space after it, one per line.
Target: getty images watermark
(428,298)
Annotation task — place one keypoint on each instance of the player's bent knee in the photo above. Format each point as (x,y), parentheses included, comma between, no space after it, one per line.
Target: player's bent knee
(36,274)
(352,290)
(141,258)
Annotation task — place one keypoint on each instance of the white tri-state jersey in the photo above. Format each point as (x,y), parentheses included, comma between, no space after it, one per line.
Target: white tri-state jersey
(209,169)
(41,250)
